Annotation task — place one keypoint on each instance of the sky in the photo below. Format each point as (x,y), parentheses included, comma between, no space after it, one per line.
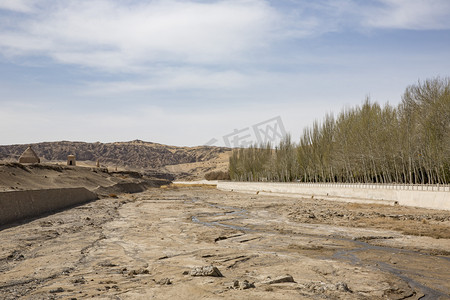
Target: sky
(191,72)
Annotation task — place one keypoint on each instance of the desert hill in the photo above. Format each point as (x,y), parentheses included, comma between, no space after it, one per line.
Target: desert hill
(17,177)
(183,162)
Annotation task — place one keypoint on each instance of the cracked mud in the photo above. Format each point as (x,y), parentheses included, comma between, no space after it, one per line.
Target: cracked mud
(143,246)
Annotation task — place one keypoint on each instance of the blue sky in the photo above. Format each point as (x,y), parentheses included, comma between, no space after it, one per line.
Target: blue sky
(184,72)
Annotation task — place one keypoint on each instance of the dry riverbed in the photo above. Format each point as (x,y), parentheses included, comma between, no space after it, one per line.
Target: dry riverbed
(147,245)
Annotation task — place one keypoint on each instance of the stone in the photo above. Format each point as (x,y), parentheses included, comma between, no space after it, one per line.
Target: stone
(138,272)
(322,287)
(242,285)
(80,280)
(279,279)
(58,290)
(236,284)
(342,286)
(247,285)
(164,281)
(205,271)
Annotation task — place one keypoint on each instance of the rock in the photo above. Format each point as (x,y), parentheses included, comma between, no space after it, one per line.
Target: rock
(16,255)
(342,286)
(79,280)
(107,264)
(107,282)
(164,281)
(279,279)
(58,290)
(138,272)
(205,271)
(242,285)
(247,285)
(235,284)
(322,287)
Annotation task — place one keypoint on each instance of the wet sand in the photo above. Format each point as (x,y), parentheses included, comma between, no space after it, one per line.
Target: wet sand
(141,246)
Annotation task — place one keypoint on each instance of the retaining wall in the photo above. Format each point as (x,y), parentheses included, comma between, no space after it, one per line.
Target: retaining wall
(197,182)
(434,197)
(19,205)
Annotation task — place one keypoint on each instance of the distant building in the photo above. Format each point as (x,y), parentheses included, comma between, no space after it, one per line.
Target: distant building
(29,157)
(71,160)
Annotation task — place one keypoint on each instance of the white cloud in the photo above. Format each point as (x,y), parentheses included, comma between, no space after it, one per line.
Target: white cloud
(323,16)
(139,37)
(410,14)
(174,79)
(22,6)
(122,36)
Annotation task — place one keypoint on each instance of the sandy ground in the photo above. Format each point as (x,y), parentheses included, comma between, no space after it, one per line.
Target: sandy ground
(143,246)
(17,177)
(14,177)
(197,170)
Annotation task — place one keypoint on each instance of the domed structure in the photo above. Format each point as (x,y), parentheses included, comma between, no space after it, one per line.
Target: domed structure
(29,157)
(71,160)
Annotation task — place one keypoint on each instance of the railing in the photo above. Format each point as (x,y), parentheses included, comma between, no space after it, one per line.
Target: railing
(391,186)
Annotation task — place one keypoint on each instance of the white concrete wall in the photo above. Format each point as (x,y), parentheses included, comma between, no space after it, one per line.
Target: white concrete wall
(194,182)
(434,197)
(19,205)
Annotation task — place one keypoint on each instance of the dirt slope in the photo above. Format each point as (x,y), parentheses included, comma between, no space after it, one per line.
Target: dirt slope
(133,155)
(14,177)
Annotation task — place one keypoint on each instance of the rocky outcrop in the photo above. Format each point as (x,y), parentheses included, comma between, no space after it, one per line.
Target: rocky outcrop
(279,279)
(206,271)
(134,154)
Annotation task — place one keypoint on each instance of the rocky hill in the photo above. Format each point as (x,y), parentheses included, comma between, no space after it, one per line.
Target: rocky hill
(133,155)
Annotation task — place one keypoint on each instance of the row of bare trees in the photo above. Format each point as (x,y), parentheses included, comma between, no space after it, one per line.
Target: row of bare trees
(370,143)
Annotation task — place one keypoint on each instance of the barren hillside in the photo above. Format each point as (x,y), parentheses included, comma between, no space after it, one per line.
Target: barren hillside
(133,155)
